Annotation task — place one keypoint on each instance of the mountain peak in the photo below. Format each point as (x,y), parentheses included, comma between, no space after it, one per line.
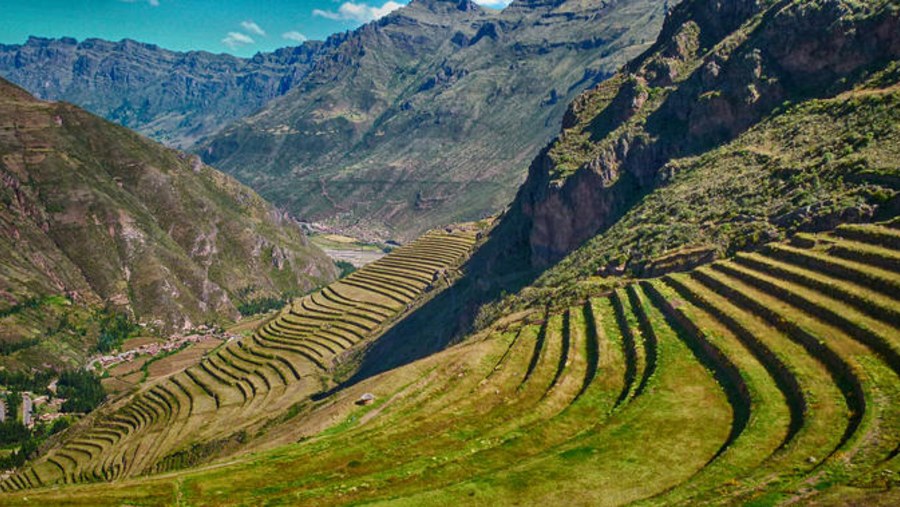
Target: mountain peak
(445,6)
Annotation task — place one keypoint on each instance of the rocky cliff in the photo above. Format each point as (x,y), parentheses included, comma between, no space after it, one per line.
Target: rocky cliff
(717,70)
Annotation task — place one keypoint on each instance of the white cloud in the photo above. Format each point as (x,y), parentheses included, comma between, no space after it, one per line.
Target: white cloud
(494,4)
(360,12)
(154,3)
(252,27)
(294,35)
(236,39)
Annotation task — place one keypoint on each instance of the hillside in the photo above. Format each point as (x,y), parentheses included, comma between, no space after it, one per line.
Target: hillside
(770,378)
(742,115)
(479,90)
(243,393)
(430,115)
(173,97)
(97,216)
(693,300)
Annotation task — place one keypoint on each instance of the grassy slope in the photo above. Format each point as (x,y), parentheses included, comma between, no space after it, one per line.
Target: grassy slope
(541,407)
(809,166)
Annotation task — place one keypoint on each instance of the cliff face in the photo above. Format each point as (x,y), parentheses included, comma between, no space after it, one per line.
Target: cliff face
(172,96)
(717,69)
(97,213)
(430,115)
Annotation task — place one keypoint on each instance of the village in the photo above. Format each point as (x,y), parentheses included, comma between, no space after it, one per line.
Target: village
(174,343)
(33,407)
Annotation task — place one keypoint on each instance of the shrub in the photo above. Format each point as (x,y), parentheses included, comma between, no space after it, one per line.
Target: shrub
(345,267)
(115,328)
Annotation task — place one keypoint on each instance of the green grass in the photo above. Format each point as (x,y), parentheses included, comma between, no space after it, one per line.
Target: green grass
(741,403)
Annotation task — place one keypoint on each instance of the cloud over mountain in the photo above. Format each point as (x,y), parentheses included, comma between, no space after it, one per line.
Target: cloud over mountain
(359,12)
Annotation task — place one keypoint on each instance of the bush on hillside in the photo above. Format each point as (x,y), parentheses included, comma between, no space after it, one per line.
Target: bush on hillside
(81,389)
(345,267)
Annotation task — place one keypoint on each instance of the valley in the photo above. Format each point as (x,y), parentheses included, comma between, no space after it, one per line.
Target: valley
(559,253)
(353,251)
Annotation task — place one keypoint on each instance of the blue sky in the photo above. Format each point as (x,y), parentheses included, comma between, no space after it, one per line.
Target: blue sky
(240,27)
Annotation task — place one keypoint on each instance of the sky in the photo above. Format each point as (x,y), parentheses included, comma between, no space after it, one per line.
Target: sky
(239,27)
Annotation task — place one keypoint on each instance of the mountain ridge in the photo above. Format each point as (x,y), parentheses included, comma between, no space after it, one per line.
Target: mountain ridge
(436,133)
(175,97)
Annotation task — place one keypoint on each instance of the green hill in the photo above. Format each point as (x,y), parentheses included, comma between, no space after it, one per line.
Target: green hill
(768,378)
(245,393)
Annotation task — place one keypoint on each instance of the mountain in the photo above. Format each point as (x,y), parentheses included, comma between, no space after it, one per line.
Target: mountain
(431,114)
(745,123)
(758,97)
(682,312)
(326,129)
(97,216)
(173,97)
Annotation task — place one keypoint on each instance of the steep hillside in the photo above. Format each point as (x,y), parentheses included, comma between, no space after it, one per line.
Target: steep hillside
(105,217)
(666,166)
(431,114)
(768,379)
(242,393)
(173,97)
(742,115)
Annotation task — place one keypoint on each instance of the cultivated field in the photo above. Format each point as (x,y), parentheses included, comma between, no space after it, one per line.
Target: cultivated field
(236,389)
(767,378)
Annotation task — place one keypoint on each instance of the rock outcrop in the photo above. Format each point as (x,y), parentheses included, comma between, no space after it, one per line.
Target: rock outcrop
(717,69)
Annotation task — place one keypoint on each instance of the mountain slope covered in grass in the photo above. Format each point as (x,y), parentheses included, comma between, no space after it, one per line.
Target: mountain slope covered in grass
(106,218)
(767,100)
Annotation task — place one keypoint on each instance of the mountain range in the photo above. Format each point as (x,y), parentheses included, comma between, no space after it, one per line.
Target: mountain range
(173,97)
(426,116)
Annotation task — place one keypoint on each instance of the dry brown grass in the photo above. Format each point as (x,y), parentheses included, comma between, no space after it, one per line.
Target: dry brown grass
(114,385)
(128,367)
